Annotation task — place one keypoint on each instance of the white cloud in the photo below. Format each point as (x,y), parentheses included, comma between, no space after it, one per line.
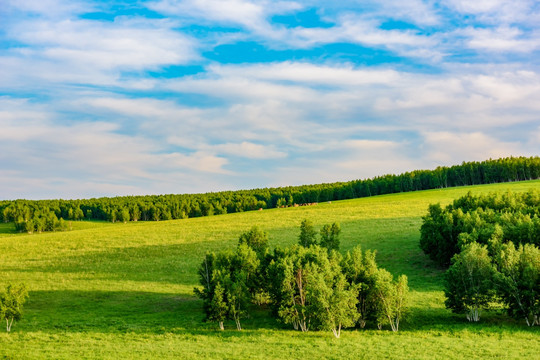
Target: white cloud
(501,39)
(125,44)
(364,29)
(97,121)
(307,73)
(49,8)
(36,148)
(249,150)
(252,15)
(498,11)
(451,148)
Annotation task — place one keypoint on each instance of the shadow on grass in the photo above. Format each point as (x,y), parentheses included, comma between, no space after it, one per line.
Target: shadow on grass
(126,312)
(8,228)
(120,312)
(174,264)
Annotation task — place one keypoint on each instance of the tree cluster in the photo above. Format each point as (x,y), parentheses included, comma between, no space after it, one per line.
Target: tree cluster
(491,242)
(514,217)
(307,287)
(511,276)
(46,215)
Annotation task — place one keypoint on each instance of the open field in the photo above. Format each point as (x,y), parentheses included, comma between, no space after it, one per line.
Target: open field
(126,290)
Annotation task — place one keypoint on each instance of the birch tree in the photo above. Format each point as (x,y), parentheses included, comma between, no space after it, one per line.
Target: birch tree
(360,270)
(290,292)
(334,299)
(469,282)
(225,280)
(392,297)
(11,304)
(518,281)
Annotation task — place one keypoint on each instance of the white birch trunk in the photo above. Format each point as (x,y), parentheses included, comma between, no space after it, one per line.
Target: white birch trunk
(238,326)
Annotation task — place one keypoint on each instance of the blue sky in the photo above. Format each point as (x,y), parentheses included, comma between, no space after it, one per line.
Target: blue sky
(105,98)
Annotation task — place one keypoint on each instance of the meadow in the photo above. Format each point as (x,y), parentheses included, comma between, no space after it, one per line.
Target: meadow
(112,291)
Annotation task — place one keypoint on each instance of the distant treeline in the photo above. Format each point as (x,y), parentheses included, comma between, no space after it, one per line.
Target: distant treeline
(49,215)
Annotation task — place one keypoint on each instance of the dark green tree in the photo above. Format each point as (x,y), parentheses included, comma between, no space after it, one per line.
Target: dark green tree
(361,271)
(330,236)
(256,239)
(308,234)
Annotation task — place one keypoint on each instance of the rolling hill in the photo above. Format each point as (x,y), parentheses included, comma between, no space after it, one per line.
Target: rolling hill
(119,290)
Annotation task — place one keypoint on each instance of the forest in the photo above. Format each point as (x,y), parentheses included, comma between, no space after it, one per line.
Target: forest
(52,215)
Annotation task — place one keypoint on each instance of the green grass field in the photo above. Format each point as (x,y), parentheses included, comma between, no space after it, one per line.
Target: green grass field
(125,291)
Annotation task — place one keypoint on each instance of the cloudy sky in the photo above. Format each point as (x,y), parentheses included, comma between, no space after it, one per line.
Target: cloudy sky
(104,98)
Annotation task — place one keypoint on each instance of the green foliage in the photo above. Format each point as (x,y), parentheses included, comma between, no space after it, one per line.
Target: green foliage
(333,298)
(361,271)
(512,216)
(469,282)
(290,283)
(11,304)
(256,239)
(227,280)
(518,281)
(391,298)
(330,236)
(308,235)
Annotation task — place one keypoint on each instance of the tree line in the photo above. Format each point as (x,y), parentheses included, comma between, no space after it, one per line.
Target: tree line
(50,215)
(491,243)
(307,286)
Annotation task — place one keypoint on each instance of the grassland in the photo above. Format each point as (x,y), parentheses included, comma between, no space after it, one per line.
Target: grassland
(126,290)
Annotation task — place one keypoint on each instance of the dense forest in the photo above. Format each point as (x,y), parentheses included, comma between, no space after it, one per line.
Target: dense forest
(51,215)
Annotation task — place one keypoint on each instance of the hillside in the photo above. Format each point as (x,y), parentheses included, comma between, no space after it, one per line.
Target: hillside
(120,290)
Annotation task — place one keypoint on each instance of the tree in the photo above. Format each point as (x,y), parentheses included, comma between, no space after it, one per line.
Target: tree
(436,235)
(469,282)
(334,299)
(308,234)
(289,272)
(518,281)
(392,297)
(11,304)
(256,239)
(225,280)
(360,270)
(123,215)
(212,292)
(330,236)
(218,306)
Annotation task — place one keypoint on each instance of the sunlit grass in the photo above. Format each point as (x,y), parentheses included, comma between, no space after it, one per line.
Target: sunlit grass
(126,290)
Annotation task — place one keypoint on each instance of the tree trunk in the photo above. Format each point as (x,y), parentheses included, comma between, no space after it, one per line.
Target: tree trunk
(221,325)
(238,326)
(362,323)
(9,324)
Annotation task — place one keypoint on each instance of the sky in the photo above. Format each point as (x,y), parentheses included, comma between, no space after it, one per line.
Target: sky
(109,98)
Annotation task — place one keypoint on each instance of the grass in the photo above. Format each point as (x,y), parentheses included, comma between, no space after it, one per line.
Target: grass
(126,290)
